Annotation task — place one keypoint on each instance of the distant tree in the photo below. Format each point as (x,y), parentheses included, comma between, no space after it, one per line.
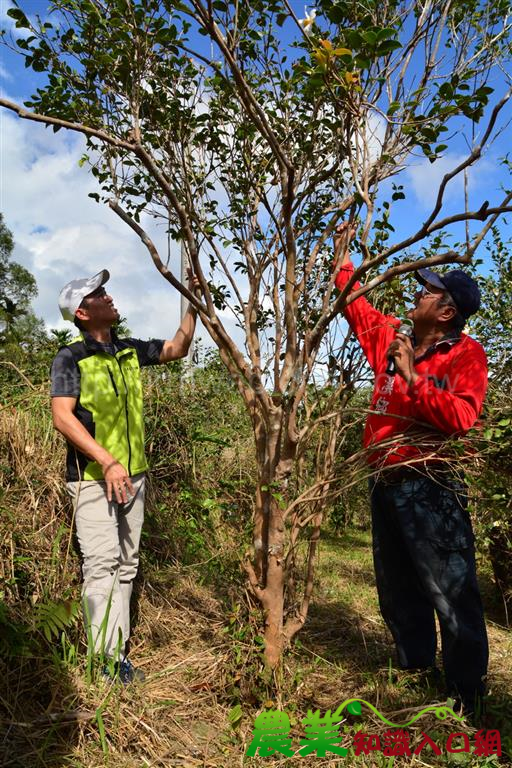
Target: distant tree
(493,324)
(61,336)
(23,339)
(250,151)
(17,289)
(122,328)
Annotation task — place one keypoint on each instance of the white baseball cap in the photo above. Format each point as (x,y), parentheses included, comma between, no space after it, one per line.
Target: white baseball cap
(75,292)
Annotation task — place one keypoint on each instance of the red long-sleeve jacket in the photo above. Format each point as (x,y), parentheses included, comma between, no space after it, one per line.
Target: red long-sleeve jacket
(409,422)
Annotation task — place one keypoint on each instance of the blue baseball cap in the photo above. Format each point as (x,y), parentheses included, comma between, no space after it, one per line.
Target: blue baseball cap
(462,288)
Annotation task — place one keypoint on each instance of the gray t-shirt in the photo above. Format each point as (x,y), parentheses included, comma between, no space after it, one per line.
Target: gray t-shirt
(65,374)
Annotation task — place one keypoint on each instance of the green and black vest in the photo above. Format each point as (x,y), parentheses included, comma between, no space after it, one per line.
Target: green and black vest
(110,407)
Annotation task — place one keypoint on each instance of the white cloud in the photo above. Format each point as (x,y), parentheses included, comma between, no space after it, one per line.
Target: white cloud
(10,25)
(61,233)
(5,5)
(425,178)
(375,130)
(4,74)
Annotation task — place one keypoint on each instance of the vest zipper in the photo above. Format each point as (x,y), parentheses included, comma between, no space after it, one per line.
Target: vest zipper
(113,382)
(127,422)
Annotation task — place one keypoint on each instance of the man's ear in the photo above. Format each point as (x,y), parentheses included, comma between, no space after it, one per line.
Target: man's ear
(447,313)
(82,314)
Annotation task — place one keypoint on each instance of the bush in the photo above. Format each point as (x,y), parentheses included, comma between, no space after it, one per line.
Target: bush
(202,468)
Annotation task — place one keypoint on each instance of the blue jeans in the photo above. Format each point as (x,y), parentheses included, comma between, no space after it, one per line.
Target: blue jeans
(423,550)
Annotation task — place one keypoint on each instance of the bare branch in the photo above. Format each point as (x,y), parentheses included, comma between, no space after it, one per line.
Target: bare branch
(157,261)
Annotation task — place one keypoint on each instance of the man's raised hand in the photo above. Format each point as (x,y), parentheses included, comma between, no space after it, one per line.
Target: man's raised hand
(343,236)
(194,285)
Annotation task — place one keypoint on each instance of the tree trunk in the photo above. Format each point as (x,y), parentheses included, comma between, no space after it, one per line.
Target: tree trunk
(267,572)
(274,611)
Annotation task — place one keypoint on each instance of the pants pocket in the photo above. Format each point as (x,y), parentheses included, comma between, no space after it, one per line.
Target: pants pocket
(442,515)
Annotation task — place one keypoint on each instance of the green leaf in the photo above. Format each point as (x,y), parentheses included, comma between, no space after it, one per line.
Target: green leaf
(101,729)
(363,62)
(235,715)
(354,39)
(388,46)
(52,618)
(385,33)
(446,91)
(354,708)
(19,17)
(370,37)
(336,14)
(484,90)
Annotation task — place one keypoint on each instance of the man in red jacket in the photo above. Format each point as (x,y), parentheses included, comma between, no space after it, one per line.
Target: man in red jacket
(423,544)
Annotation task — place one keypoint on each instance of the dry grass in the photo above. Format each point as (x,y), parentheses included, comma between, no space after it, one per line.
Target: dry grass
(180,715)
(197,648)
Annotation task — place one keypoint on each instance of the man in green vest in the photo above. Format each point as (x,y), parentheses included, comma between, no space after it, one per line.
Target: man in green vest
(97,406)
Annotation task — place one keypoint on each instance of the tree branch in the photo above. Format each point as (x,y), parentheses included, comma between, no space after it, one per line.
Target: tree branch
(157,261)
(95,133)
(246,95)
(476,152)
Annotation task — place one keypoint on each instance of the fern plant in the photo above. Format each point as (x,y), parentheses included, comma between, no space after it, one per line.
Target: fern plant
(51,618)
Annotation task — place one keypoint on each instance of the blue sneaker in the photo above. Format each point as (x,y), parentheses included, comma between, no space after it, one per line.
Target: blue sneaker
(130,674)
(125,672)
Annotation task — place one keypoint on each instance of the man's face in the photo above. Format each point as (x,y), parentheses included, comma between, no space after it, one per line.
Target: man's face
(99,308)
(426,304)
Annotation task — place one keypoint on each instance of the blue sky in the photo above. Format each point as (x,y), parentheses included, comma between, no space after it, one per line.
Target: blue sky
(60,233)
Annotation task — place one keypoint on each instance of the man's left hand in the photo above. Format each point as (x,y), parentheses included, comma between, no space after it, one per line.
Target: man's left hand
(402,351)
(194,285)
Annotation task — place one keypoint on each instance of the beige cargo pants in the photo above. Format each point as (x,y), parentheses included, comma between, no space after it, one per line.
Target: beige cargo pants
(109,536)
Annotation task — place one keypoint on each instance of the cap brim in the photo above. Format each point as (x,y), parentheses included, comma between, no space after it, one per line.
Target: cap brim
(424,276)
(97,281)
